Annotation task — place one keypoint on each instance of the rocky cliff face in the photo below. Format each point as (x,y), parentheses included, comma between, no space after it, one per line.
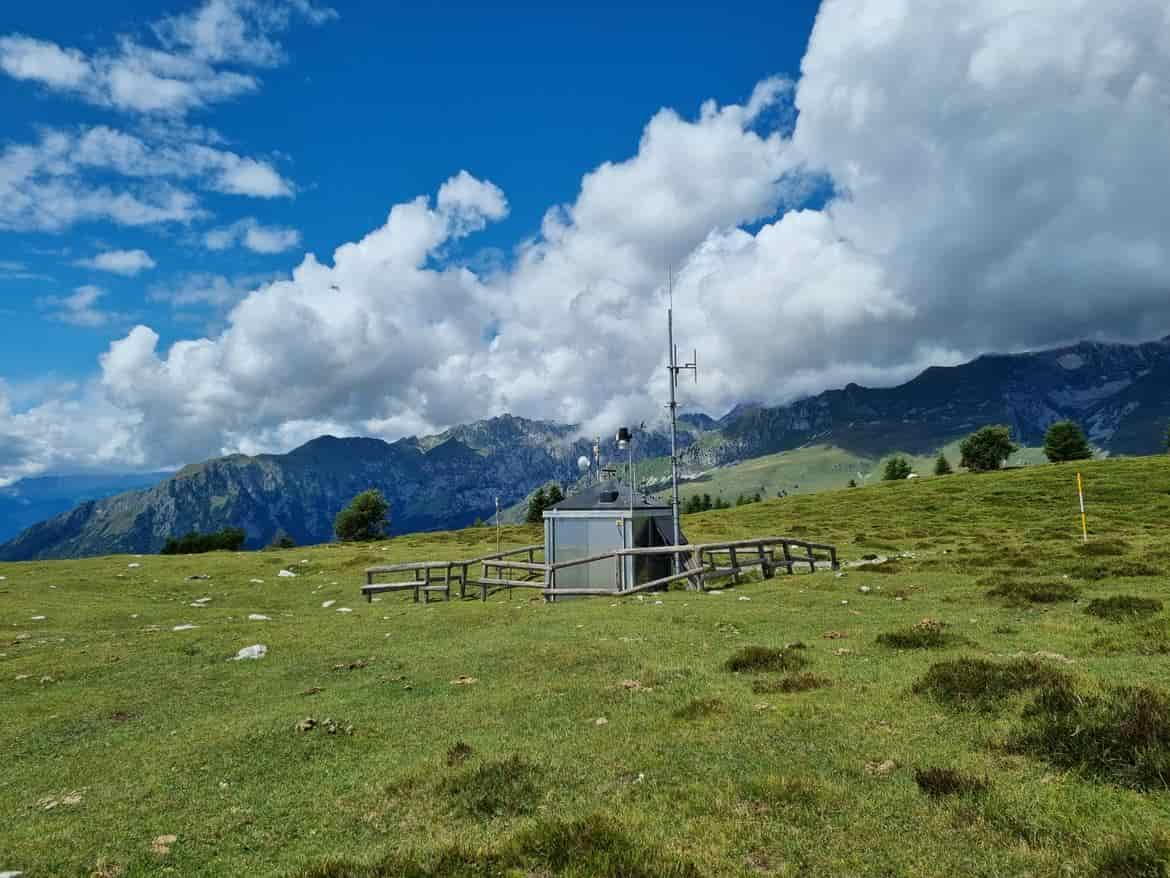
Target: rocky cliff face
(1120,393)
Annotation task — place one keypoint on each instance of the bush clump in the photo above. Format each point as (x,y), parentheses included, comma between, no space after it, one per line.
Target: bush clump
(767,658)
(593,845)
(498,788)
(230,539)
(1123,607)
(791,683)
(1020,593)
(927,634)
(982,684)
(1121,736)
(1135,858)
(1103,548)
(939,782)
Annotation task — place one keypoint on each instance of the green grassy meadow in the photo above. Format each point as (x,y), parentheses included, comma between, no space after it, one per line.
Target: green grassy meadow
(117,730)
(806,471)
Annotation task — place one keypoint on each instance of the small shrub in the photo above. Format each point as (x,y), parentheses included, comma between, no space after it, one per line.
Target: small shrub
(791,683)
(1020,593)
(1123,607)
(230,539)
(458,753)
(767,658)
(503,787)
(982,684)
(1135,858)
(701,708)
(927,634)
(939,782)
(1095,571)
(1103,548)
(1121,736)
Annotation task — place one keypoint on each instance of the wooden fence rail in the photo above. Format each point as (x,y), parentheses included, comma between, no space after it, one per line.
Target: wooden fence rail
(501,570)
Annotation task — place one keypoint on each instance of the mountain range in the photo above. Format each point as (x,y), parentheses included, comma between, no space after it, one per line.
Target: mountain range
(1120,393)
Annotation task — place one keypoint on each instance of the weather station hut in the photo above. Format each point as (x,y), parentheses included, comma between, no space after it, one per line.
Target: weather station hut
(602,519)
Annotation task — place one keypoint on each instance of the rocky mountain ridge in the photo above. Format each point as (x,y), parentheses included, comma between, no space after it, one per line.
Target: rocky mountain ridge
(1120,393)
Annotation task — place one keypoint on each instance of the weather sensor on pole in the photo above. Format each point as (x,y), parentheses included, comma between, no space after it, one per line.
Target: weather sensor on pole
(674,368)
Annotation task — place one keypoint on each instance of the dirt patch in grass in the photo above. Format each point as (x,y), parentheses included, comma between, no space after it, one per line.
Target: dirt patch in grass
(940,782)
(1135,858)
(980,684)
(498,788)
(883,567)
(1121,736)
(592,846)
(1020,593)
(927,634)
(701,708)
(767,658)
(1123,607)
(791,683)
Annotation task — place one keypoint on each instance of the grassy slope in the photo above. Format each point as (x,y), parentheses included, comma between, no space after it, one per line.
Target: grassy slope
(813,469)
(159,733)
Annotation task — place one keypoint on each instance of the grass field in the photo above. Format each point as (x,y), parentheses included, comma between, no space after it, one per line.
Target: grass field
(846,757)
(808,471)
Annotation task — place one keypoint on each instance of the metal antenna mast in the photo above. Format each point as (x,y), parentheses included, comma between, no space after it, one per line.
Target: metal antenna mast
(674,368)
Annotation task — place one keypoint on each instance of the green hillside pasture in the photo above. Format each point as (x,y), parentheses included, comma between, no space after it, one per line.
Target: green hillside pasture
(603,737)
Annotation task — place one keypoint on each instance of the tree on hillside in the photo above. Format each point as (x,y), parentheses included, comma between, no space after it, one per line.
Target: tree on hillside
(1168,438)
(987,448)
(1065,440)
(536,506)
(555,495)
(942,466)
(230,539)
(707,504)
(367,517)
(853,483)
(896,468)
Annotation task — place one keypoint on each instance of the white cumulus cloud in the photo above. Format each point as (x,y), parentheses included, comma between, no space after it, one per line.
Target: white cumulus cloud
(996,175)
(124,262)
(183,72)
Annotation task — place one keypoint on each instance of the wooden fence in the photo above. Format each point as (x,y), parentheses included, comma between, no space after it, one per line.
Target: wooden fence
(699,563)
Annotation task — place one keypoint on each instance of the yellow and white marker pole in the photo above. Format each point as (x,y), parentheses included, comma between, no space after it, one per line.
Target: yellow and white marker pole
(1084,521)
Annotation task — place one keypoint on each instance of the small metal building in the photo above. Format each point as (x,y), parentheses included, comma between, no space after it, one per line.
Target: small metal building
(602,519)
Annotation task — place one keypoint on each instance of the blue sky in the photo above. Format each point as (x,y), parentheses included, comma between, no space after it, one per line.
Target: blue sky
(371,109)
(234,225)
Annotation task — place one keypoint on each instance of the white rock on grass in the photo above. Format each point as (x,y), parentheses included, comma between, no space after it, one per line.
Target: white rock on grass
(133,566)
(256,651)
(256,581)
(39,618)
(258,617)
(327,604)
(287,574)
(743,597)
(344,610)
(184,627)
